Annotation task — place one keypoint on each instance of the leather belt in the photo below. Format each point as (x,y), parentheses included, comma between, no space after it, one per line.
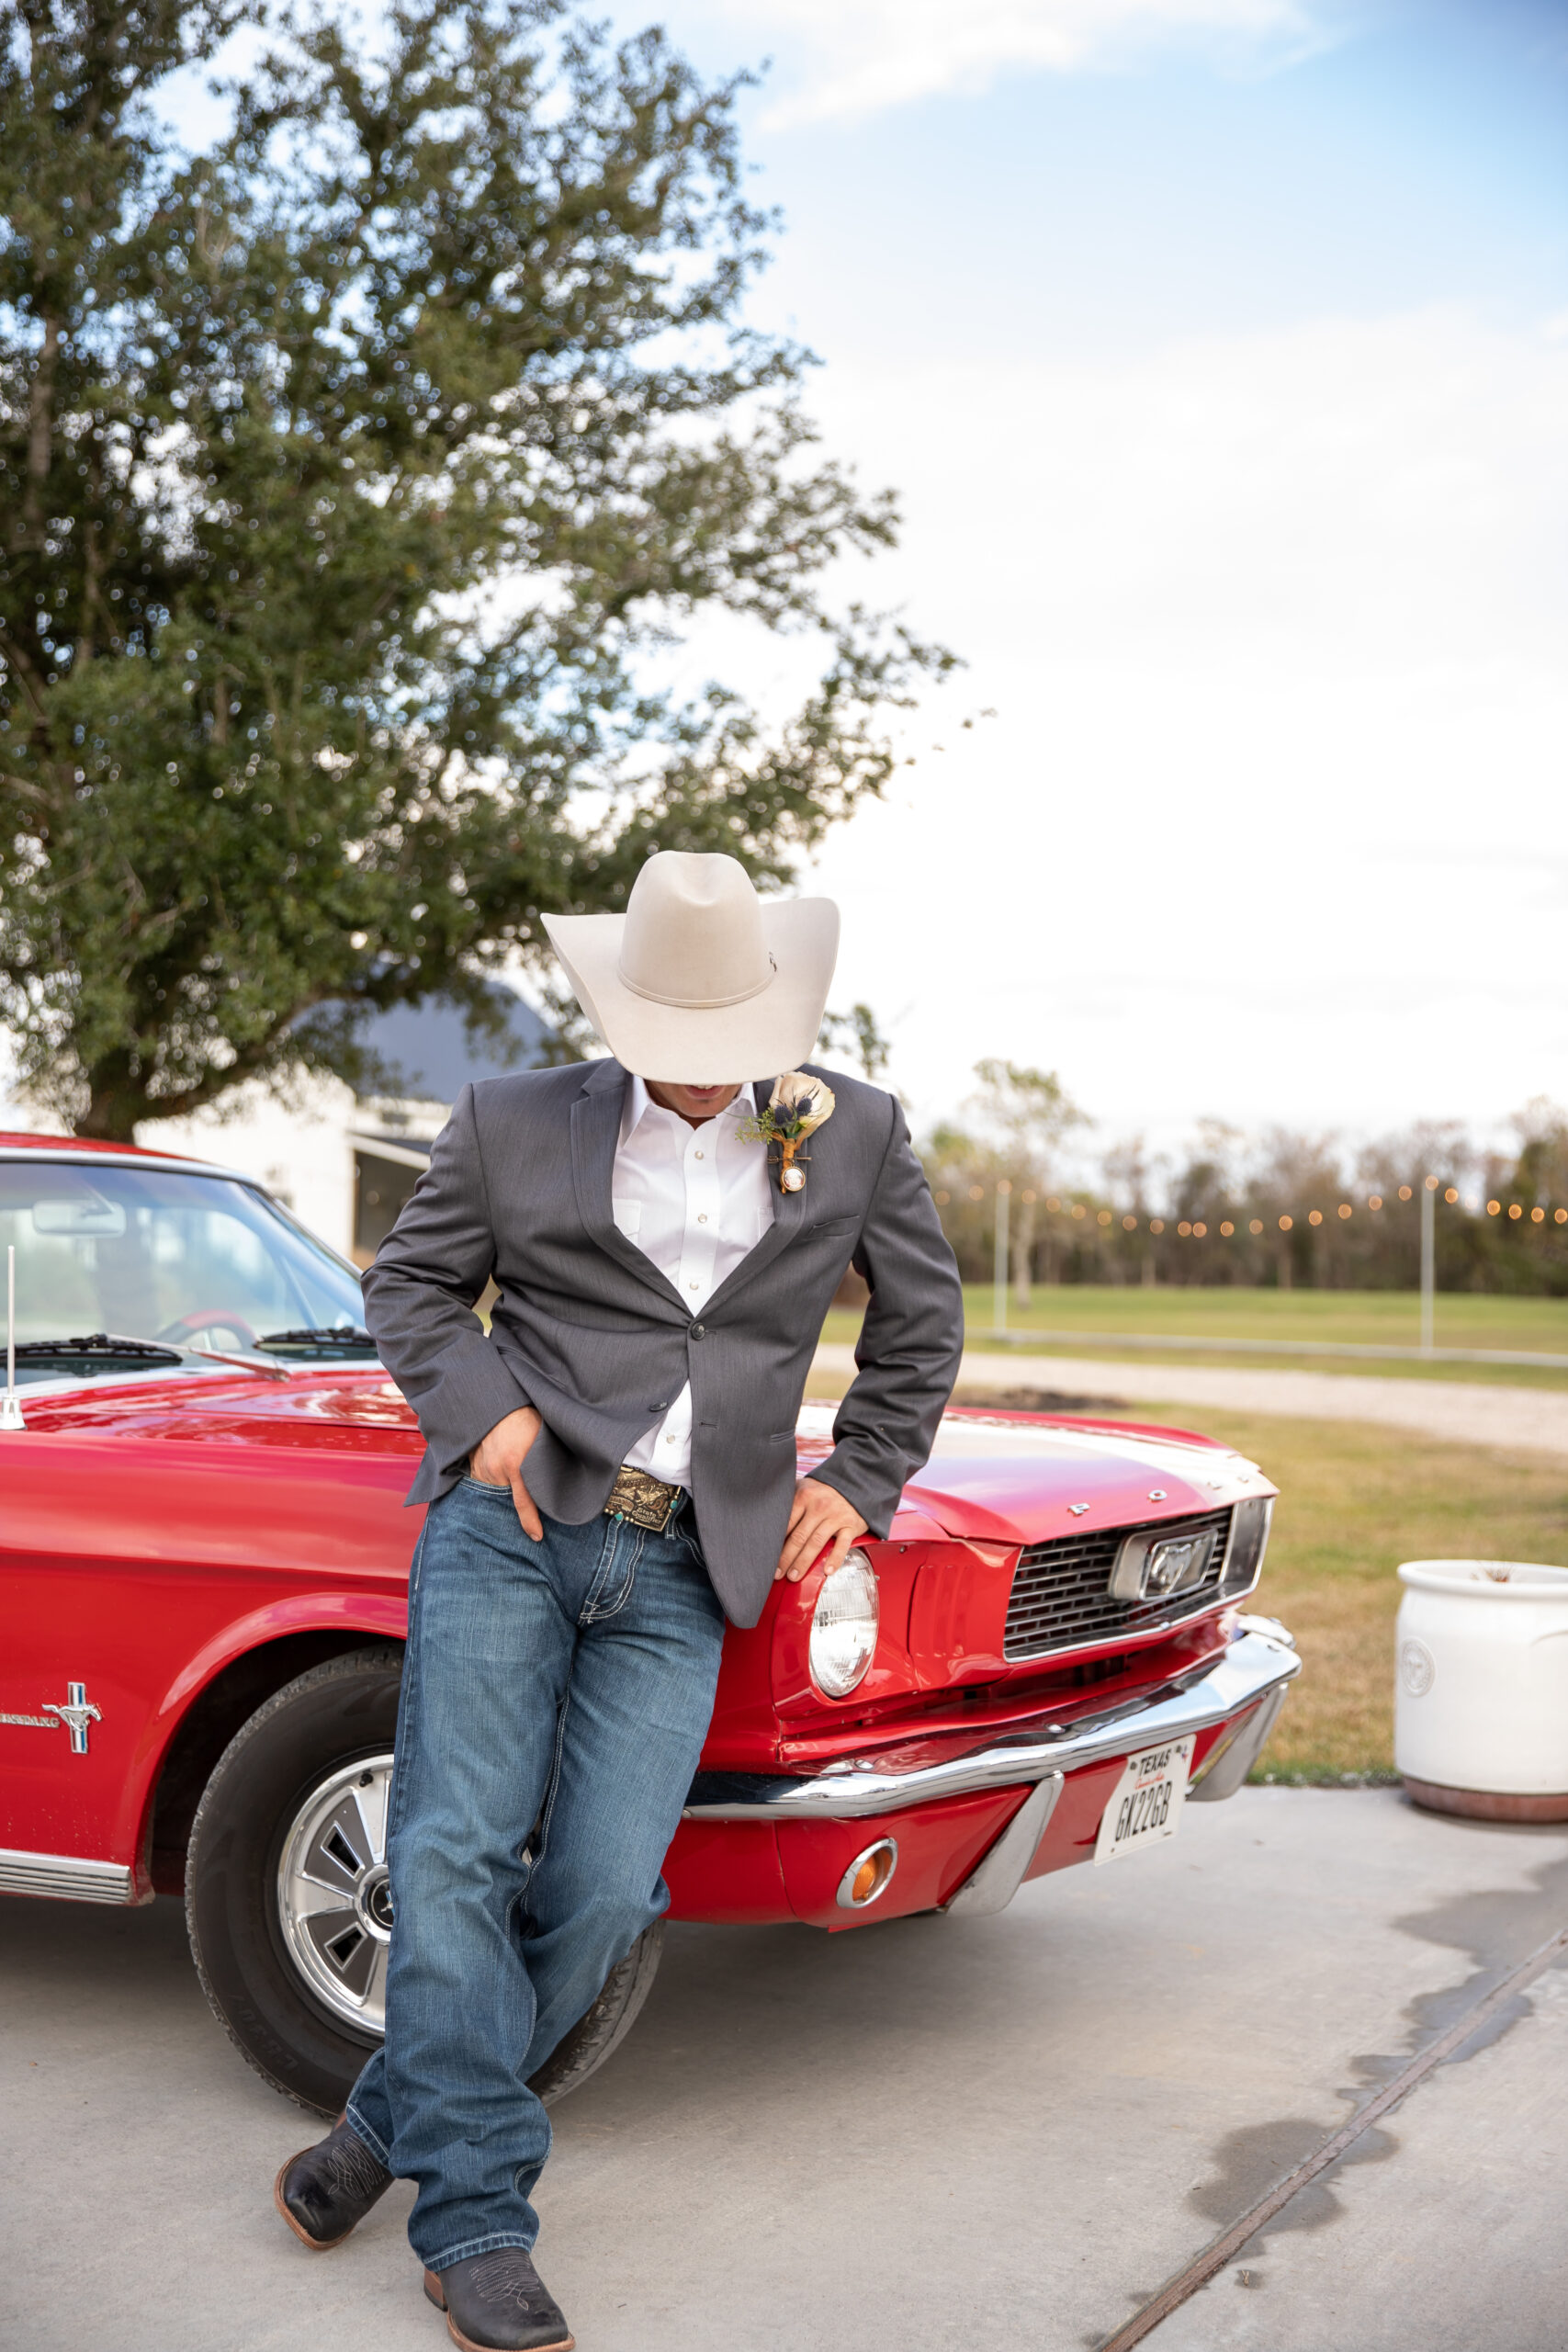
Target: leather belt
(645,1500)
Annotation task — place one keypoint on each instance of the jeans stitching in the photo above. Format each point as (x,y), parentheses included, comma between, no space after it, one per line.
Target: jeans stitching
(594,1615)
(613,1530)
(408,1695)
(372,2139)
(472,2246)
(599,1617)
(547,1808)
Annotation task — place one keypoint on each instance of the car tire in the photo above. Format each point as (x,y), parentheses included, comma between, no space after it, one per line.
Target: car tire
(329,1731)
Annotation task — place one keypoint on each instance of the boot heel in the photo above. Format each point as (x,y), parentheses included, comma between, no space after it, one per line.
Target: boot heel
(433,2289)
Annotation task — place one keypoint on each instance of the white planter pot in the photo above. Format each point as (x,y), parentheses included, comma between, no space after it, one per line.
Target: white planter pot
(1481,1688)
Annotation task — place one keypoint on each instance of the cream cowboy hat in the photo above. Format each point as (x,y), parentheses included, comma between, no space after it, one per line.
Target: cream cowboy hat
(701,982)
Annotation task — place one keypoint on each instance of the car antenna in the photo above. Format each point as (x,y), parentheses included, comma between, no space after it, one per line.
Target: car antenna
(11,1404)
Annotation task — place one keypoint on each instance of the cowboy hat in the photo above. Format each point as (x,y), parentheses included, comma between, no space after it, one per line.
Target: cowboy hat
(701,982)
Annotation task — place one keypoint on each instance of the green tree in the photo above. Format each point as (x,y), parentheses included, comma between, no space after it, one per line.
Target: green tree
(856,1033)
(1029,1111)
(352,476)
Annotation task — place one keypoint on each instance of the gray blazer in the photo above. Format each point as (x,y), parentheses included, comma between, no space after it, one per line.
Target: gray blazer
(590,1332)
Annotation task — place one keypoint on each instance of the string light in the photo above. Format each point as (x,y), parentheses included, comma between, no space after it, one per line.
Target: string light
(1197,1230)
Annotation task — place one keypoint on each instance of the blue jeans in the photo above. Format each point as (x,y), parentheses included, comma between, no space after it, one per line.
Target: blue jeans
(555,1701)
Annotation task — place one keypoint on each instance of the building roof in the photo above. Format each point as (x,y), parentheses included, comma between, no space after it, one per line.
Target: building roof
(429,1048)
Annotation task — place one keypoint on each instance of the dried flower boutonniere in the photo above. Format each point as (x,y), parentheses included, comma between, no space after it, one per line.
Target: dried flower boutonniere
(798,1105)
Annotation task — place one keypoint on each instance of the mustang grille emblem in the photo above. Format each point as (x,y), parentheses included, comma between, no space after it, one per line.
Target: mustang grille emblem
(76,1713)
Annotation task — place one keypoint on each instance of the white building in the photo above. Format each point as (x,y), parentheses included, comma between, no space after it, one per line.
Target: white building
(345,1162)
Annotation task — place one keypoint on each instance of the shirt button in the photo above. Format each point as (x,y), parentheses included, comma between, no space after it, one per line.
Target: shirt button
(694,1285)
(703,1217)
(696,1155)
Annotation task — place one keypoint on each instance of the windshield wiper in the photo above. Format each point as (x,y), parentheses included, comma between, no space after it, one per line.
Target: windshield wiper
(323,1338)
(100,1343)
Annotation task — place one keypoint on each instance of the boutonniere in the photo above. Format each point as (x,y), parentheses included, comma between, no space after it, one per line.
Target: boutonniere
(798,1105)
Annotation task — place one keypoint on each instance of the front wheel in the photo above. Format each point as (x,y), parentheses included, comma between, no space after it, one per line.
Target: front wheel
(286,1894)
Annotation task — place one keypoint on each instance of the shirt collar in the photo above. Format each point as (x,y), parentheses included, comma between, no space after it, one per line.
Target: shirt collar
(638,1101)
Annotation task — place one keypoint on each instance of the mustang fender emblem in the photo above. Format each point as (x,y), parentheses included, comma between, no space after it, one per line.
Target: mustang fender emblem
(76,1713)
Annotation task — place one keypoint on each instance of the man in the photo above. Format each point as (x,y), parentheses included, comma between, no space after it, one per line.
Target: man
(610,1472)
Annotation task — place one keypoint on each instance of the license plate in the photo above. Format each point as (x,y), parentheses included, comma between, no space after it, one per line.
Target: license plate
(1145,1804)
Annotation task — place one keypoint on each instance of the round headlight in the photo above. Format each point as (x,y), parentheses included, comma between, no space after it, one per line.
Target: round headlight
(843,1627)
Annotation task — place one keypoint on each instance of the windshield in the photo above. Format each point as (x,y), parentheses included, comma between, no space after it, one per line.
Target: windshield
(153,1255)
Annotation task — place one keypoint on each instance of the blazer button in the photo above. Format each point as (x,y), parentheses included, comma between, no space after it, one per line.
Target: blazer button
(696,1330)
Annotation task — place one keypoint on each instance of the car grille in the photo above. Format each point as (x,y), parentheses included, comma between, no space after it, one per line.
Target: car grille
(1060,1598)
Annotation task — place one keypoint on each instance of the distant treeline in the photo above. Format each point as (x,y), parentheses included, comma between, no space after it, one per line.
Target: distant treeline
(1282,1211)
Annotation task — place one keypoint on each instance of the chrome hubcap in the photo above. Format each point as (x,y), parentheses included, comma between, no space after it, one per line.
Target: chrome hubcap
(334,1898)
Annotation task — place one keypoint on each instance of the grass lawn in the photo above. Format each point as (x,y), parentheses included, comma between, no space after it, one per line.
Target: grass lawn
(1381,1318)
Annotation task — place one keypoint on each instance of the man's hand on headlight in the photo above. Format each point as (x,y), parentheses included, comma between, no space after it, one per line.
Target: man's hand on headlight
(497,1458)
(819,1517)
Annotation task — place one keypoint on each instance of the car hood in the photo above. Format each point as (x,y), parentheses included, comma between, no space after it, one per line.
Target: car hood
(1024,1478)
(1007,1478)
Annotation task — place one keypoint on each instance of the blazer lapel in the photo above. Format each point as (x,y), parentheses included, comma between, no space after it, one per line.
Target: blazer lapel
(595,1132)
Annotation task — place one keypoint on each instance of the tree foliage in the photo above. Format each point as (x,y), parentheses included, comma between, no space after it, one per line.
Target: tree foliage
(857,1035)
(352,476)
(1281,1210)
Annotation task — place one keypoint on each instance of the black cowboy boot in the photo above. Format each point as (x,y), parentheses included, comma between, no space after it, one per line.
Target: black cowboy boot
(324,2191)
(498,2302)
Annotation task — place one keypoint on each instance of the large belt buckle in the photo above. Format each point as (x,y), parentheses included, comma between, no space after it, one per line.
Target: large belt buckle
(645,1500)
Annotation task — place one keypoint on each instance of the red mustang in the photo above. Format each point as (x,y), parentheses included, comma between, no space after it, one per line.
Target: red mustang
(206,1553)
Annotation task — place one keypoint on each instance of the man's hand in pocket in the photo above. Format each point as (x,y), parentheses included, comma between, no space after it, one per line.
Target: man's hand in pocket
(497,1458)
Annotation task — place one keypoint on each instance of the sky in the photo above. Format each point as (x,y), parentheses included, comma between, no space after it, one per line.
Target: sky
(1218,351)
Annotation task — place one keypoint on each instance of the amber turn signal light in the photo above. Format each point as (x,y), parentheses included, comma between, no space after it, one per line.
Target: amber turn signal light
(868,1875)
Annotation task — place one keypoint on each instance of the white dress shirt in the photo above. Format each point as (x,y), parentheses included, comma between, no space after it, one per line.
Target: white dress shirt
(697,1201)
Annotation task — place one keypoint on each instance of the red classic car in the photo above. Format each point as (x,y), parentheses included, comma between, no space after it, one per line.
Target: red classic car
(205,1546)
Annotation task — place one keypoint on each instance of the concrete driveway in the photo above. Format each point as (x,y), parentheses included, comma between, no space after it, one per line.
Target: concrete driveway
(994,2136)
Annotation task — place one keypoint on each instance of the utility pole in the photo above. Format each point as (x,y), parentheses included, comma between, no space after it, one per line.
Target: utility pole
(1429,1258)
(999,1264)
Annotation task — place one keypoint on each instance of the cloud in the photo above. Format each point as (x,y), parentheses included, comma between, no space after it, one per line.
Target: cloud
(1273,625)
(858,57)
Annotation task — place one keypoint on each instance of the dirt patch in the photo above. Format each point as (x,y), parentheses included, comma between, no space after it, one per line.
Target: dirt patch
(1036,1401)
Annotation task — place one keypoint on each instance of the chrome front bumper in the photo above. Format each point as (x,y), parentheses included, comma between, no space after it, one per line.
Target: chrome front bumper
(1257,1665)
